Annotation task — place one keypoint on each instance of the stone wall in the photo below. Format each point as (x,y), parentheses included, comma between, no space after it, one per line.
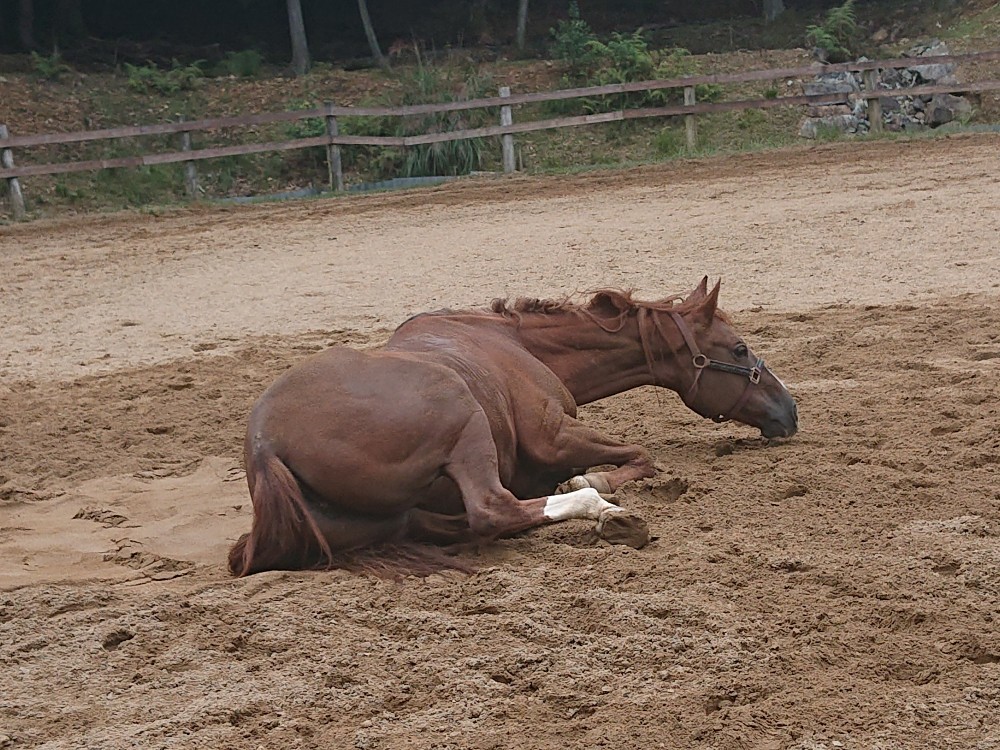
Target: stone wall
(899,113)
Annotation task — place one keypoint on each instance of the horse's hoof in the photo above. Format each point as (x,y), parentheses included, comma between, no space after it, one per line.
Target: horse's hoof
(623,527)
(572,485)
(599,483)
(582,482)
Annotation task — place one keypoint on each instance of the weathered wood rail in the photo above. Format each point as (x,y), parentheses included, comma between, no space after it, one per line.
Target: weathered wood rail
(333,141)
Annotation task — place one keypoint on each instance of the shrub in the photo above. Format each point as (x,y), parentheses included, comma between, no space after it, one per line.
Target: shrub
(669,142)
(572,41)
(624,58)
(50,68)
(150,78)
(244,64)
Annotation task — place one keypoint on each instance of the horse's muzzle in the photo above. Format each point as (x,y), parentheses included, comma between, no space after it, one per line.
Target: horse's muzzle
(783,425)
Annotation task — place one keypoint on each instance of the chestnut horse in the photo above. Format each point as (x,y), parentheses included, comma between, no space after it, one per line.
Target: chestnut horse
(464,425)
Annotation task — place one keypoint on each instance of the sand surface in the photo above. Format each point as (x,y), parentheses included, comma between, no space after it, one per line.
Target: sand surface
(838,590)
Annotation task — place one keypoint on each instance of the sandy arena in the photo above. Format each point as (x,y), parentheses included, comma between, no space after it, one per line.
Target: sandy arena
(839,590)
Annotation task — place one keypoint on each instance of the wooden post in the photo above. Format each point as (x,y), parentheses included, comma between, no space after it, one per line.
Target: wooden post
(334,164)
(874,101)
(13,183)
(690,127)
(507,139)
(190,171)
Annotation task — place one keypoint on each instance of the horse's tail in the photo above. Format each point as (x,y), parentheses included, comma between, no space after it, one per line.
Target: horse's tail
(284,534)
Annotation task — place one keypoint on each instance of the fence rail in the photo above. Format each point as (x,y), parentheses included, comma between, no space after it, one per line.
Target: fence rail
(333,141)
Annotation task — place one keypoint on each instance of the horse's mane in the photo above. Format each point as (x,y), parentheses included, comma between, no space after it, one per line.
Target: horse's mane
(622,300)
(609,308)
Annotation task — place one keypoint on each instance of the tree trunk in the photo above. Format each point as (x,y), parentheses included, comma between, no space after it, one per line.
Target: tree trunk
(26,25)
(773,9)
(297,29)
(522,23)
(366,21)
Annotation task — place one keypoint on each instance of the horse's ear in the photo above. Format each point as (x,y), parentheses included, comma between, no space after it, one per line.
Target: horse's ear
(700,291)
(704,313)
(608,304)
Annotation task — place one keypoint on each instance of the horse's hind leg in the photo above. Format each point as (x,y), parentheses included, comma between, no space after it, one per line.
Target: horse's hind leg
(493,511)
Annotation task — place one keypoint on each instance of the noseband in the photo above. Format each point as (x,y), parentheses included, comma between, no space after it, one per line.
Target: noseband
(702,363)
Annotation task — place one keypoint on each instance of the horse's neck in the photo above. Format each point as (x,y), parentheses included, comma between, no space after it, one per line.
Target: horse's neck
(591,362)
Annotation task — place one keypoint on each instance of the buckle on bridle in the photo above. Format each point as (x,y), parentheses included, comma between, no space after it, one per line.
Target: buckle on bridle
(700,361)
(755,374)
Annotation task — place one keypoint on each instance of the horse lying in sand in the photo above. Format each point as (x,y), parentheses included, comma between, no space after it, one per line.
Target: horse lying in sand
(464,426)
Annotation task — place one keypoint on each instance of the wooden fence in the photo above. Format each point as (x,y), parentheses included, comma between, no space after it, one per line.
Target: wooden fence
(333,141)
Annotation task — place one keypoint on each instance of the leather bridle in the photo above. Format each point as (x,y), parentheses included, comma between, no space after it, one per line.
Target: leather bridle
(702,363)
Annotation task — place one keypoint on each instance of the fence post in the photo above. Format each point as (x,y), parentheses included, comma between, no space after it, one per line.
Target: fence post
(690,127)
(334,164)
(507,139)
(13,183)
(190,171)
(874,101)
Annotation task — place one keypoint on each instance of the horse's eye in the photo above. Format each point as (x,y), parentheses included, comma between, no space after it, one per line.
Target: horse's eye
(741,351)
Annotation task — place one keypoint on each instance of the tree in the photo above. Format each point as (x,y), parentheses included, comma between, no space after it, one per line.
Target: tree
(26,25)
(297,29)
(773,9)
(366,20)
(522,23)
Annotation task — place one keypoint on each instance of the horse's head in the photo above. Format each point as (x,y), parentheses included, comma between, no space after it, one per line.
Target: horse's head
(718,375)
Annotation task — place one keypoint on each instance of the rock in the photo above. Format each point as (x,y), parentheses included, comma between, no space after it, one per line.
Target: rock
(944,108)
(832,83)
(812,126)
(891,78)
(828,110)
(934,72)
(890,104)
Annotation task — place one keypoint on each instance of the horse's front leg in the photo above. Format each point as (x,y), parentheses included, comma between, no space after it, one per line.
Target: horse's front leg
(577,445)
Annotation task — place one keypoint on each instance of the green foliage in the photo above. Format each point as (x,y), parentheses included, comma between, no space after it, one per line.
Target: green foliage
(572,41)
(136,186)
(624,58)
(838,33)
(828,133)
(51,67)
(678,62)
(147,78)
(771,92)
(243,64)
(669,142)
(429,84)
(422,85)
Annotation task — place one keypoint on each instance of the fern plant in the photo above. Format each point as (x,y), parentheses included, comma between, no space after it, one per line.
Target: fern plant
(837,34)
(49,67)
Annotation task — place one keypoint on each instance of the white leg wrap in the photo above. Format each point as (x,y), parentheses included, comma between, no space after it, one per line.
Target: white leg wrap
(585,503)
